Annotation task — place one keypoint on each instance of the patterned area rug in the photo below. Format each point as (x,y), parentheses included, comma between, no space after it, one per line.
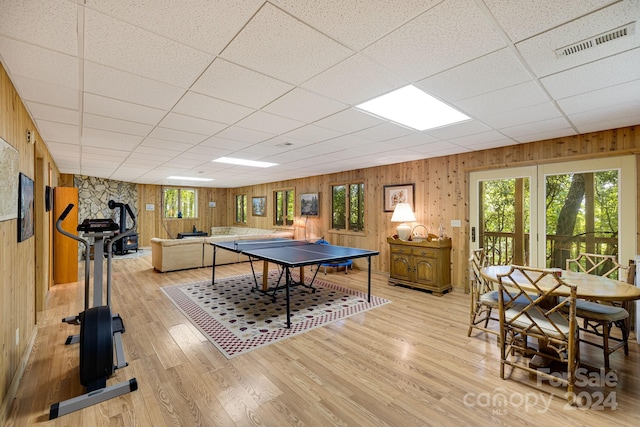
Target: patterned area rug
(237,319)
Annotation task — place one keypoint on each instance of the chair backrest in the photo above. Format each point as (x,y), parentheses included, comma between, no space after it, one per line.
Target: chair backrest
(529,302)
(479,260)
(599,265)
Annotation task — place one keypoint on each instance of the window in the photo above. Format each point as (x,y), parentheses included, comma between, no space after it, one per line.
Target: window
(347,206)
(241,208)
(180,203)
(284,202)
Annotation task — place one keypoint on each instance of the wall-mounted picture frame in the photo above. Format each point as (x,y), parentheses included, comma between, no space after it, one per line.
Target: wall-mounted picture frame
(26,218)
(9,164)
(394,194)
(309,204)
(259,206)
(48,198)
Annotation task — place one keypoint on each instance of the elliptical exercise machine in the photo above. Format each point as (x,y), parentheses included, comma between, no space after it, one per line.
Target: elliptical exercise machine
(100,330)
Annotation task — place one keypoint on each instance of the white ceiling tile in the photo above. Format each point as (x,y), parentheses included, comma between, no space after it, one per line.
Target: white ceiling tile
(191,124)
(225,144)
(48,24)
(354,80)
(123,46)
(233,83)
(99,152)
(205,107)
(36,63)
(117,84)
(611,123)
(114,140)
(293,55)
(304,106)
(458,130)
(524,18)
(610,71)
(602,98)
(154,150)
(510,118)
(46,93)
(206,25)
(108,107)
(311,133)
(236,133)
(384,131)
(510,98)
(532,128)
(115,125)
(612,113)
(164,144)
(59,132)
(104,163)
(348,141)
(539,51)
(64,149)
(350,120)
(540,136)
(358,23)
(269,123)
(477,77)
(53,113)
(411,140)
(453,32)
(485,139)
(177,135)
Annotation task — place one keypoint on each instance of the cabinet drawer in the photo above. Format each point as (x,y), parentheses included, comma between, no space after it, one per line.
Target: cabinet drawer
(424,252)
(400,250)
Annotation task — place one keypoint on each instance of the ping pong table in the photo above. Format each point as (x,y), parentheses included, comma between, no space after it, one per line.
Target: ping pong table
(290,254)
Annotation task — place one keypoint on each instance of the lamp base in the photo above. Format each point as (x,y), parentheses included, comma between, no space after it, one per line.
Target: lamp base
(404,231)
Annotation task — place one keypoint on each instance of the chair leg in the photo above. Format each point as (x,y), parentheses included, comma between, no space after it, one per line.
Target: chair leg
(605,344)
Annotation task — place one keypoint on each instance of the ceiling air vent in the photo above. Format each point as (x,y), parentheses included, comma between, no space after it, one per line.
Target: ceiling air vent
(624,31)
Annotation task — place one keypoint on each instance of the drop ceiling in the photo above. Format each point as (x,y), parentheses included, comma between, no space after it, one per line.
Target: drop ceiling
(139,91)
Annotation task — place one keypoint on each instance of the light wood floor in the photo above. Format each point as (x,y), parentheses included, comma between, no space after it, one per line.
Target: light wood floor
(407,363)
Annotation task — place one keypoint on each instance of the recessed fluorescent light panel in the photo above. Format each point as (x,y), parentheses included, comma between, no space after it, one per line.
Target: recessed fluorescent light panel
(411,107)
(243,162)
(189,178)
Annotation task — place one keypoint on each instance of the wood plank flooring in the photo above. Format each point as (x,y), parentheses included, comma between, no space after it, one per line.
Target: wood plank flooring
(408,363)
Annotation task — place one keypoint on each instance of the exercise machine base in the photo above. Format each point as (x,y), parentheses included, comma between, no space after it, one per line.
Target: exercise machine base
(85,400)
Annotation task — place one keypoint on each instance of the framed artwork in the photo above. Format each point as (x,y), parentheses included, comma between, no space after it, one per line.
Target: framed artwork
(9,165)
(26,220)
(259,206)
(394,194)
(309,204)
(48,198)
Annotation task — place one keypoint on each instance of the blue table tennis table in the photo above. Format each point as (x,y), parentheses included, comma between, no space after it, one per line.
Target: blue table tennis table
(290,254)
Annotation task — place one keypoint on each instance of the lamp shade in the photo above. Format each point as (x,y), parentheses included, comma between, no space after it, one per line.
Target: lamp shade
(403,213)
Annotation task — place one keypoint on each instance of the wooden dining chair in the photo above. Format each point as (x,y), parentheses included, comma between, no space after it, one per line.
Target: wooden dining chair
(545,317)
(598,318)
(484,298)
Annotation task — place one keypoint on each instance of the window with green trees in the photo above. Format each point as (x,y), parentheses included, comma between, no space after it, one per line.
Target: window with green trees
(284,202)
(347,206)
(241,208)
(180,203)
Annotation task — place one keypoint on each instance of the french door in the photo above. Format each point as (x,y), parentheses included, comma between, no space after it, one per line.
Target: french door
(541,215)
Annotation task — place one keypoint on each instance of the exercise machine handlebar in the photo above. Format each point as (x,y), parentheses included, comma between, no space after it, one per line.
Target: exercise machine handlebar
(87,260)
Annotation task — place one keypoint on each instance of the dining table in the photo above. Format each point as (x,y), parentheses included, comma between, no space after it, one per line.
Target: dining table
(588,287)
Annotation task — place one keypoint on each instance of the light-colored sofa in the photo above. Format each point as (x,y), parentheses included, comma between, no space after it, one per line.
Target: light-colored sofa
(196,252)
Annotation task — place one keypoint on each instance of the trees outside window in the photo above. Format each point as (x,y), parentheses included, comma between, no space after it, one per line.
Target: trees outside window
(241,208)
(347,206)
(180,203)
(284,203)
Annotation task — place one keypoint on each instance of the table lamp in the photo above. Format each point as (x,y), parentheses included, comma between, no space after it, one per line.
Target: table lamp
(403,213)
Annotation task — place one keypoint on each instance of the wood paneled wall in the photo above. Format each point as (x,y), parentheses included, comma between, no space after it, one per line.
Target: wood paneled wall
(441,194)
(25,266)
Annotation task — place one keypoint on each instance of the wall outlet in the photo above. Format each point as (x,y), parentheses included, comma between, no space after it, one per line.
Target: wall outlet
(455,223)
(17,336)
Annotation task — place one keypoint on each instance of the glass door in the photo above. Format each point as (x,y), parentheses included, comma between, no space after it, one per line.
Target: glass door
(501,220)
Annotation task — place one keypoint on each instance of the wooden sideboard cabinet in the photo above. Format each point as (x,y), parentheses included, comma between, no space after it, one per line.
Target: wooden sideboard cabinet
(424,265)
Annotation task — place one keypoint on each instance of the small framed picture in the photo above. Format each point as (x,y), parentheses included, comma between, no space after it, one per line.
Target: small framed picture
(259,206)
(309,204)
(394,194)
